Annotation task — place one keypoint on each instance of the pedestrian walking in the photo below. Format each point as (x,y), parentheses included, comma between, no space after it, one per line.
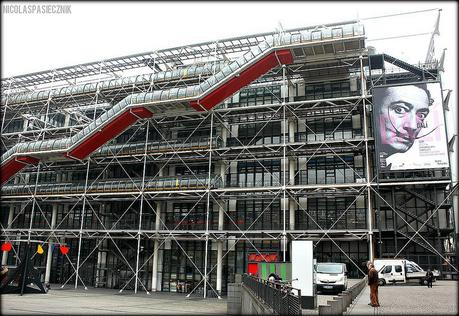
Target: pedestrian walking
(373,283)
(429,278)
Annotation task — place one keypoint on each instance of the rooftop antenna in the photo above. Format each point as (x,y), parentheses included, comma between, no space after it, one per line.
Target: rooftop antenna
(280,30)
(431,50)
(442,61)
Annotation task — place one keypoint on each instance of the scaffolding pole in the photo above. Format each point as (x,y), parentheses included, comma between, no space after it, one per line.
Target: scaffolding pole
(208,205)
(367,163)
(142,196)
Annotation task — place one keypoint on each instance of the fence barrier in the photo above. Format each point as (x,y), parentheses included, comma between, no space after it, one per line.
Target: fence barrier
(279,296)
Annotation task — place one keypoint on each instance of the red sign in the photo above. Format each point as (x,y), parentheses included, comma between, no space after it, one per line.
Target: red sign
(264,257)
(6,246)
(252,268)
(64,249)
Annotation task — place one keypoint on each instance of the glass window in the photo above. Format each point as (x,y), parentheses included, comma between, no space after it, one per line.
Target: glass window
(410,268)
(329,268)
(398,268)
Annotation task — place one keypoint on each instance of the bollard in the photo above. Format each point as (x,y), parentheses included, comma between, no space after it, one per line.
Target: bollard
(324,309)
(339,305)
(338,301)
(347,299)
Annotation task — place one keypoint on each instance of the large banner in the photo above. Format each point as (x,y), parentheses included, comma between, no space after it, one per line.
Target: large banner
(409,127)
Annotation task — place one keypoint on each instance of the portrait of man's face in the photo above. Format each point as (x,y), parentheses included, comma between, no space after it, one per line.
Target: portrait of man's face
(401,117)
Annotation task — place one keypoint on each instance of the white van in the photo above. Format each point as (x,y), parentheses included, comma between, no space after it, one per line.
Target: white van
(400,271)
(331,276)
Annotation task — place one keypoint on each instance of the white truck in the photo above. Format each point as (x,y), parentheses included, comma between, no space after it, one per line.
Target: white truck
(400,271)
(330,276)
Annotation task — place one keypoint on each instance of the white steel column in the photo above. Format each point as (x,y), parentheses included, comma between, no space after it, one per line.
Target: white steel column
(49,258)
(292,123)
(10,220)
(367,163)
(154,277)
(284,162)
(220,245)
(291,201)
(101,273)
(292,209)
(208,206)
(219,266)
(224,133)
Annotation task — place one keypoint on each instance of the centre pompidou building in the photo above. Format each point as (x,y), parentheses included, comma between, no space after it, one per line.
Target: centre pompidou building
(161,170)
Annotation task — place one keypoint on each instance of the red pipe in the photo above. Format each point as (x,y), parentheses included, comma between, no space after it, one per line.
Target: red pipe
(13,166)
(108,132)
(244,78)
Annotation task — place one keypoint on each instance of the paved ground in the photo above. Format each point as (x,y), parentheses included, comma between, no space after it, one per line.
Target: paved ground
(441,299)
(104,301)
(322,299)
(395,300)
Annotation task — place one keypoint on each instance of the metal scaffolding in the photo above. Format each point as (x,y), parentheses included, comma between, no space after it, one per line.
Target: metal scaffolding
(175,182)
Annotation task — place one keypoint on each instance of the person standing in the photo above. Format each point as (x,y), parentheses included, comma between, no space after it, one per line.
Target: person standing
(373,283)
(429,278)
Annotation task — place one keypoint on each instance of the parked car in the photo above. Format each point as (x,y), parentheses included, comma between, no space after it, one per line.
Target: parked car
(331,277)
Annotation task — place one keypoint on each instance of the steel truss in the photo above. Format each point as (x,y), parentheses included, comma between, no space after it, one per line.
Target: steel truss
(144,201)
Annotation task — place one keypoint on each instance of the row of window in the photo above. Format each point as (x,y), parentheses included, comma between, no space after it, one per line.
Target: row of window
(325,90)
(333,128)
(264,173)
(249,214)
(300,92)
(337,213)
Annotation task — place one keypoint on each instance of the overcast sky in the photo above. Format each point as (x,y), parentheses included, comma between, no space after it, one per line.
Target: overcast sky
(100,30)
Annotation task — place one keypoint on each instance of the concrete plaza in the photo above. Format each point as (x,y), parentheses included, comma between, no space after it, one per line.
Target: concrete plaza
(401,299)
(106,301)
(394,299)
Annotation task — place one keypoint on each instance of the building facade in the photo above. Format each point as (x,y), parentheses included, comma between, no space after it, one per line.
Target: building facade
(242,146)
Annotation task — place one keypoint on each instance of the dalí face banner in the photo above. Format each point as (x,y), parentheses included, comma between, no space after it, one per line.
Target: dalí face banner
(410,127)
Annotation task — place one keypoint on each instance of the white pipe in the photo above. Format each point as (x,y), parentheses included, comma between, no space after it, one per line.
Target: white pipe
(10,220)
(49,258)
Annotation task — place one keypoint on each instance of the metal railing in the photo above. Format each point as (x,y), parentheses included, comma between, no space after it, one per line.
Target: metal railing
(277,295)
(120,185)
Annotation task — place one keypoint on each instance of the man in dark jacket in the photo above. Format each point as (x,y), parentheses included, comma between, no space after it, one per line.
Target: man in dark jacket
(429,278)
(373,283)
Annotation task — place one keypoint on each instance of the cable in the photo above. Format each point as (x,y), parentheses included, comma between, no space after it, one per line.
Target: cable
(395,37)
(397,14)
